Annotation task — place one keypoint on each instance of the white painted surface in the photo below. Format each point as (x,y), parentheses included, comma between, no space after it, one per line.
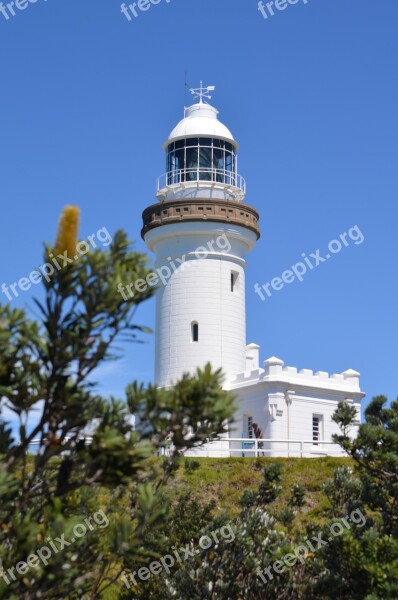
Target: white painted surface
(200,291)
(283,401)
(201,120)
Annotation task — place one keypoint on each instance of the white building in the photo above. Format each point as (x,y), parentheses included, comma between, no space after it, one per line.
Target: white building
(201,231)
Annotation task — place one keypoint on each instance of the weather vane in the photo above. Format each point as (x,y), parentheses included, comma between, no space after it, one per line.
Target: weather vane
(202,92)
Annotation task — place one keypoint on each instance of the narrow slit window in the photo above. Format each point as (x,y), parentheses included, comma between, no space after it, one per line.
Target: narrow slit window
(234,281)
(195,332)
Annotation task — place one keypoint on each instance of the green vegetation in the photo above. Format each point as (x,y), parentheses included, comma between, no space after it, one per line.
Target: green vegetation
(47,371)
(224,480)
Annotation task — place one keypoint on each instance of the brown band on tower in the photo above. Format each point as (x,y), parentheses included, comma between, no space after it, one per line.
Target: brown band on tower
(217,210)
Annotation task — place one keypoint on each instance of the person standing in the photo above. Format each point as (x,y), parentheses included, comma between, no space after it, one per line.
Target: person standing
(259,436)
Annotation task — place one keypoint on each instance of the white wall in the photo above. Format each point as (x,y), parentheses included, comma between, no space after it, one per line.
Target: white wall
(290,420)
(200,291)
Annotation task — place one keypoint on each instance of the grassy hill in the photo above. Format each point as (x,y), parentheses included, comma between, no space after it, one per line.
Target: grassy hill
(225,479)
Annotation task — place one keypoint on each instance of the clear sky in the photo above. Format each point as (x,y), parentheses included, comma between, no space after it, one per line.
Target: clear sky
(88,97)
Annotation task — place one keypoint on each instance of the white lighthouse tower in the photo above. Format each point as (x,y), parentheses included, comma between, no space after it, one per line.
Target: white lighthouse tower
(200,231)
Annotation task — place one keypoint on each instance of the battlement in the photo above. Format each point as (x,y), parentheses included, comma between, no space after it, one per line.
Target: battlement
(275,371)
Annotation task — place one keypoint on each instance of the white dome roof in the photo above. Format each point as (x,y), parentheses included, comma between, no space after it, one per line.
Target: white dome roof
(201,120)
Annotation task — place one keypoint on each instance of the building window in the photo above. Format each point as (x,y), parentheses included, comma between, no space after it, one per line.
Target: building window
(234,280)
(247,431)
(249,427)
(316,429)
(195,332)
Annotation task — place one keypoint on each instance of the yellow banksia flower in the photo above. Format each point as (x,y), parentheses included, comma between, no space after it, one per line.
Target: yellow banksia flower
(68,228)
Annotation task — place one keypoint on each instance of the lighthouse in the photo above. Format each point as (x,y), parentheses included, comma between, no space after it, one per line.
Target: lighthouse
(200,231)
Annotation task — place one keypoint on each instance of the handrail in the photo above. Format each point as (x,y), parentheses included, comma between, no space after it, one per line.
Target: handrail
(201,175)
(317,448)
(66,439)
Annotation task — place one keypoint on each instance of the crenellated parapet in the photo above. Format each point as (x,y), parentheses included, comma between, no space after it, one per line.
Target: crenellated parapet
(275,371)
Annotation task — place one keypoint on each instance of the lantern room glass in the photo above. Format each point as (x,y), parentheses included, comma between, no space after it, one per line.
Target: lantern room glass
(201,159)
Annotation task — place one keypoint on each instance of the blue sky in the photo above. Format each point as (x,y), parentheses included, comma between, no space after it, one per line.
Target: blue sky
(88,98)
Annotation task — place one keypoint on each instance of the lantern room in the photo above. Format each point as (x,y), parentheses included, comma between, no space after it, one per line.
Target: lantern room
(201,157)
